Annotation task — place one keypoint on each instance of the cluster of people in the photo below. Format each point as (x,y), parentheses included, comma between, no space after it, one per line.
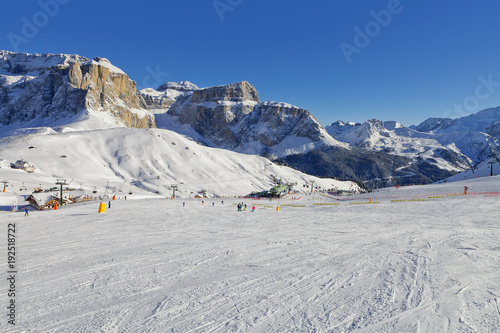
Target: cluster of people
(243,207)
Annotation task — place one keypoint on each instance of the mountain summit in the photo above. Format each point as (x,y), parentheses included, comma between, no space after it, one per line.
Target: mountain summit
(43,89)
(233,117)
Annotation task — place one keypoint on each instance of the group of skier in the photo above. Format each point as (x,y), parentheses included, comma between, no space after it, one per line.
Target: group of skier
(243,207)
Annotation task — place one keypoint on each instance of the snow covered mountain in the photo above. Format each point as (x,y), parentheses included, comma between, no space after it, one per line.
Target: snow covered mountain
(232,117)
(144,161)
(452,147)
(42,93)
(57,89)
(478,122)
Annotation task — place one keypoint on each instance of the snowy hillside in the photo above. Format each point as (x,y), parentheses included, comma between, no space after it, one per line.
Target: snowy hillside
(483,169)
(417,259)
(144,161)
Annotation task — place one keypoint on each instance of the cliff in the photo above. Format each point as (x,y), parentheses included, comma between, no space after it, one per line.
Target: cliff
(49,87)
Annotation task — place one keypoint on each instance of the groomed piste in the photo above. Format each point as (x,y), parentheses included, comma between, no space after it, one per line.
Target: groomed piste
(325,265)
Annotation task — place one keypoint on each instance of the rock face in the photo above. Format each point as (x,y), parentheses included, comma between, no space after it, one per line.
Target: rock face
(165,96)
(49,87)
(213,112)
(232,117)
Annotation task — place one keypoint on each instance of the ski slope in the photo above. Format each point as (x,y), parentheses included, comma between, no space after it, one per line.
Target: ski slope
(394,265)
(146,162)
(483,169)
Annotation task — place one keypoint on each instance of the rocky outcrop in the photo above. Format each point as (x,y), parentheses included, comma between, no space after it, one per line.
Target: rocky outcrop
(213,112)
(235,92)
(166,95)
(49,87)
(232,117)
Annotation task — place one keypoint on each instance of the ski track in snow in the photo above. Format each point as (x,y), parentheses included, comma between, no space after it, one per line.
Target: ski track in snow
(155,266)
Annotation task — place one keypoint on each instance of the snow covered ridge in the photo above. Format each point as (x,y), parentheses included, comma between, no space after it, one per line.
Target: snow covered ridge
(22,63)
(450,144)
(478,122)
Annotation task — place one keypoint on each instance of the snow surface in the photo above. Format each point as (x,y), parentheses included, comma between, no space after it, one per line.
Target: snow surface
(483,169)
(146,162)
(106,63)
(156,266)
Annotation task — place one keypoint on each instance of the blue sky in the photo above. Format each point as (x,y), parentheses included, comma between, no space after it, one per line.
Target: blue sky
(342,60)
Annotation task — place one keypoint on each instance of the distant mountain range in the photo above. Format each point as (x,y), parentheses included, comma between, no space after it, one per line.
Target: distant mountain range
(59,90)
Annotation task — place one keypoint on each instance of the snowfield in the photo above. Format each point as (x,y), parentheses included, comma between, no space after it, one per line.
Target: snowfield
(146,162)
(156,266)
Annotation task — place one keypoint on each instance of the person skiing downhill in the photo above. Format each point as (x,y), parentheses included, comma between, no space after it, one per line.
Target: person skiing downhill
(26,212)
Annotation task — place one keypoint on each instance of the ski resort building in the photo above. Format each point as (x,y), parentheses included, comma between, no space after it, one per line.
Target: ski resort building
(44,200)
(23,165)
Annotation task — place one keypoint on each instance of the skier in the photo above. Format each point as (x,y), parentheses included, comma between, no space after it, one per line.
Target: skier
(213,204)
(245,207)
(109,204)
(253,209)
(183,204)
(26,212)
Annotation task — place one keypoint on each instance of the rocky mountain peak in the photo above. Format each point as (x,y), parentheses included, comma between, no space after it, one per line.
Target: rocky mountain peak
(234,92)
(47,87)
